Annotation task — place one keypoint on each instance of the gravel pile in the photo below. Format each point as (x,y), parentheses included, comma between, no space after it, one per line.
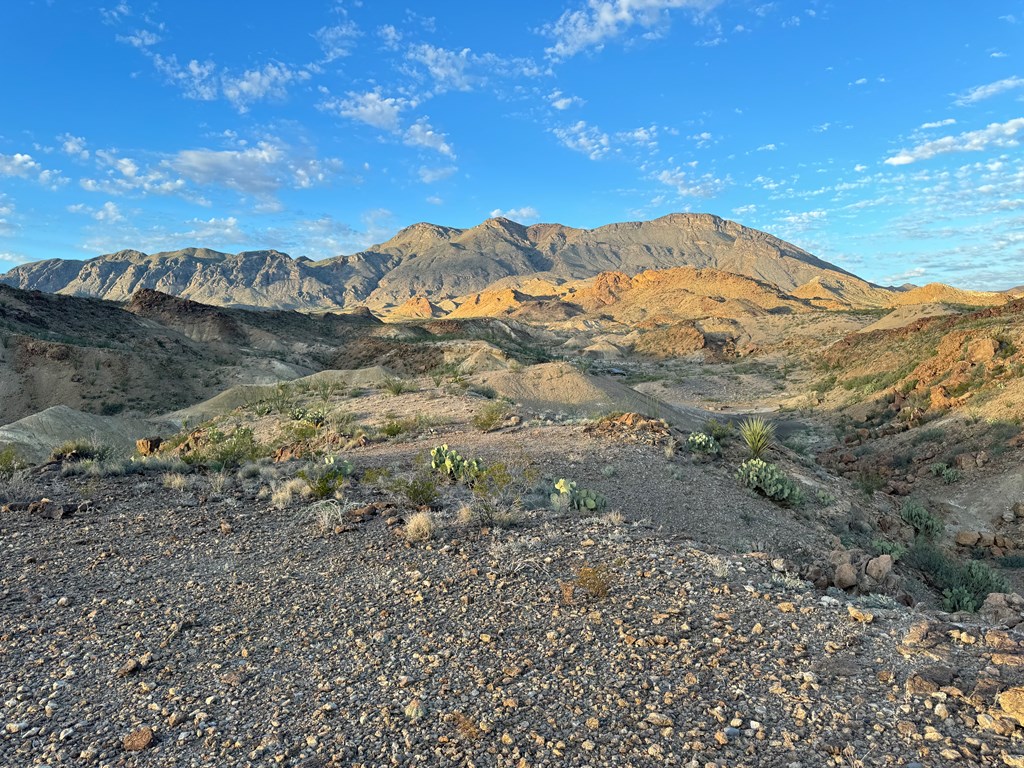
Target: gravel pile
(165,628)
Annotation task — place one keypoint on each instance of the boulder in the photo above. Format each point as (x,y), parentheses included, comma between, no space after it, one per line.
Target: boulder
(147,446)
(878,568)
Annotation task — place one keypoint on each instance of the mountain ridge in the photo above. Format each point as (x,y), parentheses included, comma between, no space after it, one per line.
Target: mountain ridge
(433,260)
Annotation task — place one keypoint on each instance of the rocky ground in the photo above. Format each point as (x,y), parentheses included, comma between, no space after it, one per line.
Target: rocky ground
(204,625)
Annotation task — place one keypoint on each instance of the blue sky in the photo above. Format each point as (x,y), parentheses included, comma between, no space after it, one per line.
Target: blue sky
(883,136)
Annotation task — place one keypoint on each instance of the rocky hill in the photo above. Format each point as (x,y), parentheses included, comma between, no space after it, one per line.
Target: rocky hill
(438,262)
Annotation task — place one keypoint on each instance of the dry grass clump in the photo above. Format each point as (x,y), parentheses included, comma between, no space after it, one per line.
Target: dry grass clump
(284,494)
(175,481)
(420,526)
(596,581)
(327,515)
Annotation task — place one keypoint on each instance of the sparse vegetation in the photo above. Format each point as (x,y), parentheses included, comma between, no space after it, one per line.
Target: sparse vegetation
(395,386)
(327,479)
(596,581)
(720,431)
(964,586)
(80,450)
(452,466)
(702,443)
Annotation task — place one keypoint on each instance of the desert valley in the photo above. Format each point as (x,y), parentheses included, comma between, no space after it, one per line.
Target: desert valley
(670,492)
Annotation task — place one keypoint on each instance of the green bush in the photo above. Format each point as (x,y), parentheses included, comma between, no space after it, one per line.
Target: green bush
(568,496)
(719,430)
(964,586)
(758,435)
(10,462)
(913,512)
(224,451)
(491,416)
(395,386)
(326,480)
(768,480)
(886,547)
(421,490)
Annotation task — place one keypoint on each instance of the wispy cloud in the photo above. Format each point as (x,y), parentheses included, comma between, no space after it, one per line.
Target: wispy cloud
(588,139)
(687,184)
(996,135)
(938,124)
(268,82)
(450,70)
(421,134)
(602,20)
(987,91)
(560,101)
(338,40)
(431,175)
(525,215)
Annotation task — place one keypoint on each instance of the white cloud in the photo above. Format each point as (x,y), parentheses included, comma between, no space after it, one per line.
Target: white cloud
(980,92)
(23,166)
(997,55)
(431,175)
(996,135)
(688,185)
(371,108)
(13,258)
(6,209)
(270,82)
(767,148)
(860,81)
(259,170)
(743,210)
(141,39)
(860,167)
(703,139)
(642,137)
(602,20)
(905,277)
(560,101)
(337,41)
(422,134)
(196,79)
(938,124)
(449,69)
(108,213)
(435,200)
(588,139)
(525,215)
(73,146)
(114,15)
(391,36)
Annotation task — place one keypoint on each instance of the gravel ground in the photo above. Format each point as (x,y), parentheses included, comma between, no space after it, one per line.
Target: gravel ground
(181,628)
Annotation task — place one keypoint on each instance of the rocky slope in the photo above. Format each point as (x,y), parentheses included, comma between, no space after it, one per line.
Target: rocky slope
(433,261)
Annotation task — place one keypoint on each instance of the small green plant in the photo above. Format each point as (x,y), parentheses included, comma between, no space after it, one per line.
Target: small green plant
(393,427)
(958,598)
(825,498)
(10,462)
(720,431)
(326,480)
(491,416)
(702,443)
(224,451)
(395,386)
(421,490)
(923,522)
(757,434)
(281,399)
(450,463)
(951,475)
(770,481)
(886,547)
(325,389)
(568,496)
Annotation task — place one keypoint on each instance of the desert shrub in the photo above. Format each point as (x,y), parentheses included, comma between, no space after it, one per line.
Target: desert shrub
(923,522)
(175,481)
(568,496)
(886,547)
(491,416)
(80,450)
(825,498)
(951,475)
(868,481)
(498,496)
(770,481)
(394,427)
(700,442)
(284,493)
(720,431)
(484,390)
(326,480)
(315,417)
(451,465)
(395,386)
(281,399)
(1011,561)
(420,490)
(964,586)
(420,526)
(10,462)
(596,580)
(327,515)
(375,475)
(325,389)
(757,434)
(225,451)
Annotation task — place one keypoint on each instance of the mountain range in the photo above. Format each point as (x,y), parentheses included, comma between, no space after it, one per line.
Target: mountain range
(442,263)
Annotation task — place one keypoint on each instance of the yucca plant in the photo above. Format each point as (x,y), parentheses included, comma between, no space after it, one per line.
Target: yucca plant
(758,434)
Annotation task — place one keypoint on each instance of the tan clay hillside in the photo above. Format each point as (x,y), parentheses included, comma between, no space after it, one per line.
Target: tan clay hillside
(936,293)
(843,292)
